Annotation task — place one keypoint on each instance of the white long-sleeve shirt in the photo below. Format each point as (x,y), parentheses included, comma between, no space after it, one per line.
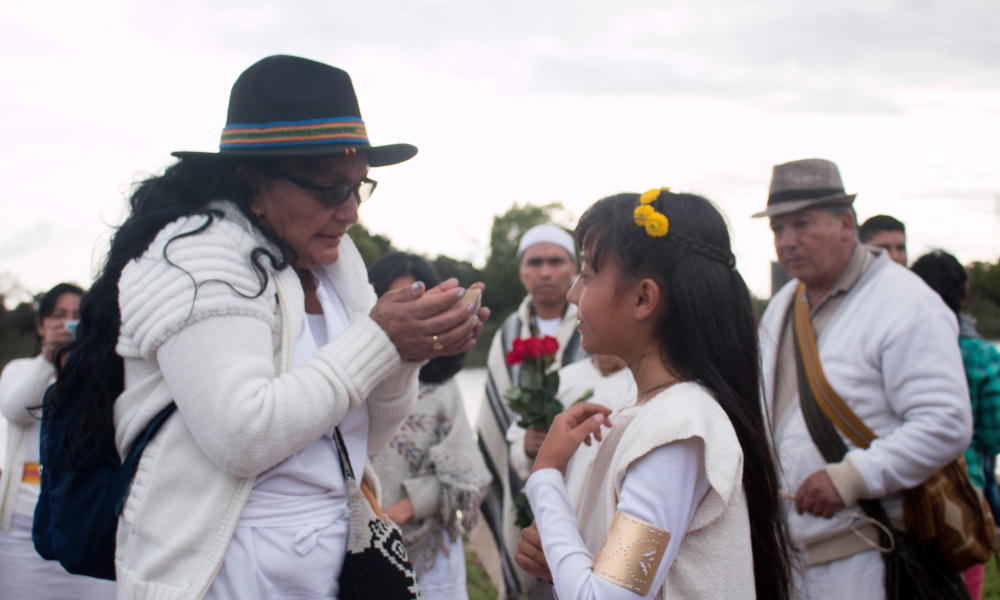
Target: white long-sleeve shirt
(662,488)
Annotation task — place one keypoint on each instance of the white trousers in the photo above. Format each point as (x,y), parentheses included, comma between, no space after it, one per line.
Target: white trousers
(858,577)
(446,581)
(26,576)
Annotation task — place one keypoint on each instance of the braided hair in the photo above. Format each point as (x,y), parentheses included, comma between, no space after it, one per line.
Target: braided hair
(708,333)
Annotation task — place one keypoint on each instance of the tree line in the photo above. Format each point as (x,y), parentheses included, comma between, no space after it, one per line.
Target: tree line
(503,287)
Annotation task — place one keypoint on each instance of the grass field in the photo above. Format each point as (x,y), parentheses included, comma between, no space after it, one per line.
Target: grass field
(991,587)
(477,582)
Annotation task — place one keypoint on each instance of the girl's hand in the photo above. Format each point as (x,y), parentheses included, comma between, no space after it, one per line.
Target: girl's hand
(401,512)
(530,556)
(571,428)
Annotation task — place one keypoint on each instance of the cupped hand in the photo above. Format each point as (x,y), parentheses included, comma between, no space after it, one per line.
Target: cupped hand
(413,316)
(530,556)
(572,427)
(817,496)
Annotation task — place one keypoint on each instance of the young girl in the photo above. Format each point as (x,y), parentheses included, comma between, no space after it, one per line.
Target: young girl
(682,499)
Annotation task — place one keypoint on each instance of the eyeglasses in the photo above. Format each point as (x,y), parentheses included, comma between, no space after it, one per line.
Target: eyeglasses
(332,195)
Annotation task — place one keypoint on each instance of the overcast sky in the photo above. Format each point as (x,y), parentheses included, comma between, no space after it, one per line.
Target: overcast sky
(534,101)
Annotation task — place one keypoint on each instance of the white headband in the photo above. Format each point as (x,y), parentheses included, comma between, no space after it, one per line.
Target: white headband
(547,234)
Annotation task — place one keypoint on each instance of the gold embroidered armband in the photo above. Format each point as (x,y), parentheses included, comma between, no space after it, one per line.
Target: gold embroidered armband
(631,553)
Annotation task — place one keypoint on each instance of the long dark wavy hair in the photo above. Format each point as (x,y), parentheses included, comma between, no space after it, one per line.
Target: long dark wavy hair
(708,334)
(92,370)
(391,267)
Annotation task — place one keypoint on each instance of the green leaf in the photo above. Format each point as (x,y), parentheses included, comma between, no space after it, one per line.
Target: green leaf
(522,508)
(551,383)
(586,396)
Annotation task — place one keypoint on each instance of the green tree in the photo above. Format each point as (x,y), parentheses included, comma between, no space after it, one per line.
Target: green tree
(465,272)
(17,331)
(984,298)
(504,291)
(371,246)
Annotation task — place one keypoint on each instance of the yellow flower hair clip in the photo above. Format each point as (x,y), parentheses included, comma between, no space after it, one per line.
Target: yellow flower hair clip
(656,224)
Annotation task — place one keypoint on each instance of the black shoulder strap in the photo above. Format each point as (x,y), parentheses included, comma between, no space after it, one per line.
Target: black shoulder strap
(131,462)
(345,458)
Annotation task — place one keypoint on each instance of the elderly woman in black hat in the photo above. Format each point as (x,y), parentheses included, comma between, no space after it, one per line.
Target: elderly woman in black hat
(233,291)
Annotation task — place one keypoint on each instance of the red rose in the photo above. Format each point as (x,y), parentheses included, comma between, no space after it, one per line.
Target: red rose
(515,357)
(550,345)
(533,348)
(518,346)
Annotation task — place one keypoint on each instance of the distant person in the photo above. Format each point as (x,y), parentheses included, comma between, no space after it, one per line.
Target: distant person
(886,344)
(947,277)
(233,291)
(431,473)
(889,233)
(612,386)
(546,266)
(24,575)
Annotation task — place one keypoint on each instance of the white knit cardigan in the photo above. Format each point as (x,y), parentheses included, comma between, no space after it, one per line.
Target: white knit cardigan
(196,474)
(715,558)
(890,352)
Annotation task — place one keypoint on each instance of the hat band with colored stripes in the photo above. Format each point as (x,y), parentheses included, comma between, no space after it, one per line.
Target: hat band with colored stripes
(340,130)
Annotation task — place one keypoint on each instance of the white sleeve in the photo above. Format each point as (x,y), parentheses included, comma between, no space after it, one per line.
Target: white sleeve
(519,459)
(663,488)
(22,386)
(245,416)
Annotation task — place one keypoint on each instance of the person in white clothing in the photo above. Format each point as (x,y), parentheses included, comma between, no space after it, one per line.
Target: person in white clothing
(433,477)
(233,291)
(886,345)
(546,263)
(24,575)
(682,498)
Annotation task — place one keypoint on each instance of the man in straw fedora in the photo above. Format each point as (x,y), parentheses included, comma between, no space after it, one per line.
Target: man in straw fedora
(887,347)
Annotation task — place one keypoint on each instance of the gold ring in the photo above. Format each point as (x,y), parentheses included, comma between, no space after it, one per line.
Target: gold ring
(437,345)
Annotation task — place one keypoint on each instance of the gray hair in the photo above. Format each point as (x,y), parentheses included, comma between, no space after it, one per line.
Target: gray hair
(836,210)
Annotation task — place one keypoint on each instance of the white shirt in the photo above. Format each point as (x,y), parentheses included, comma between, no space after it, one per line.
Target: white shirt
(292,535)
(662,488)
(549,326)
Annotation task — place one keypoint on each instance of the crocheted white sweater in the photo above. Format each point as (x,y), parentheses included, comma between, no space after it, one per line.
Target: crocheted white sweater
(243,410)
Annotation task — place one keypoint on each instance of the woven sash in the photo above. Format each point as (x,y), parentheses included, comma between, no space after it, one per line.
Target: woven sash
(946,514)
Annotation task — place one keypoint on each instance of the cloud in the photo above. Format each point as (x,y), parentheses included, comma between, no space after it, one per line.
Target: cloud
(25,241)
(848,56)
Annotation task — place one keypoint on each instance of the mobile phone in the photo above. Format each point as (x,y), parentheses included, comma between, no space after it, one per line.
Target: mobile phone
(72,325)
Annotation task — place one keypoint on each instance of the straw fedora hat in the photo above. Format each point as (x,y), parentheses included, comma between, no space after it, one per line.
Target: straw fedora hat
(288,107)
(804,184)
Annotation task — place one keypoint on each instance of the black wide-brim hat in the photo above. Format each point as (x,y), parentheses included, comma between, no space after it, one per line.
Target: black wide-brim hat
(291,107)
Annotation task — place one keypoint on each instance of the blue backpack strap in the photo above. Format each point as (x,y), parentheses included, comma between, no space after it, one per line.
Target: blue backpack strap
(131,462)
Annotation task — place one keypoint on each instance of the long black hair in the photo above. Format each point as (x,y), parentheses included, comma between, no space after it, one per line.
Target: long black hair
(92,368)
(395,265)
(708,334)
(47,305)
(945,275)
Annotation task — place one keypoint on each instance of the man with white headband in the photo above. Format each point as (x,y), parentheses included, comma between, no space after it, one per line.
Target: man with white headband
(546,266)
